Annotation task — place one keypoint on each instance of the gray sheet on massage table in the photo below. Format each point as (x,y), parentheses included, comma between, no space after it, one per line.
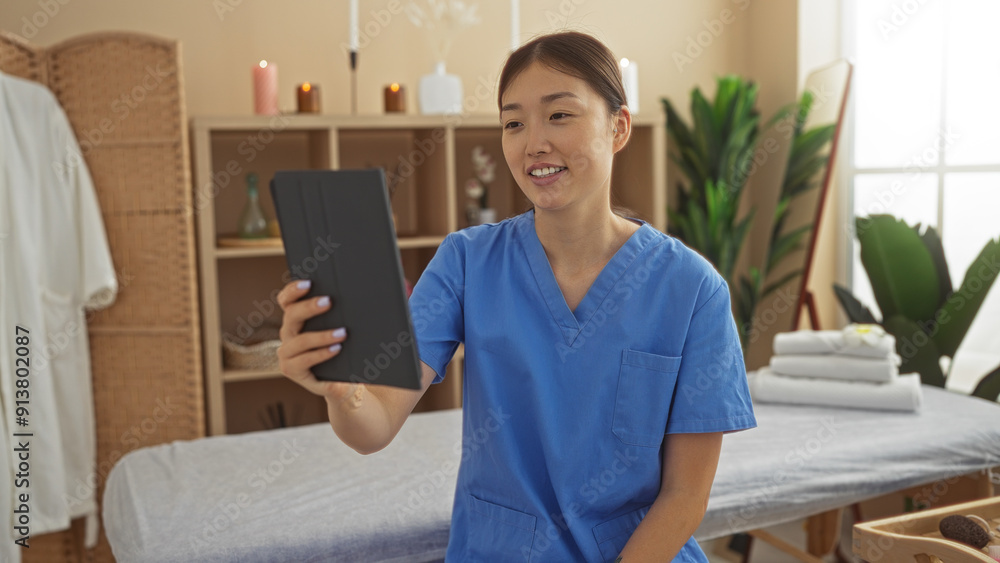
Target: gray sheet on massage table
(324,502)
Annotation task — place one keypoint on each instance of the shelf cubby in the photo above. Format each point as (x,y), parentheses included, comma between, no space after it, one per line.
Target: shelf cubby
(427,160)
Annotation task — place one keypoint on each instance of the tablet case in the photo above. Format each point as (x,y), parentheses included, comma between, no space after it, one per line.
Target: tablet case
(338,232)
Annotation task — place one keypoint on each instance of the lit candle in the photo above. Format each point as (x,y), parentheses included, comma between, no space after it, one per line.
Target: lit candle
(395,98)
(630,79)
(308,98)
(265,88)
(354,25)
(515,24)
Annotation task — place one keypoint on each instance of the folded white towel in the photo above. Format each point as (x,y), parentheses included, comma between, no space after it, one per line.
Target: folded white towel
(842,342)
(844,368)
(903,394)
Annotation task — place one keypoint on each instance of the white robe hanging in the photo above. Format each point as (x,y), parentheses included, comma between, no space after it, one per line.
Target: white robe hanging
(54,263)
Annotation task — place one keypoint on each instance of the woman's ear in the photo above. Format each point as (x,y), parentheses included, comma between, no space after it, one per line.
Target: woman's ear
(621,128)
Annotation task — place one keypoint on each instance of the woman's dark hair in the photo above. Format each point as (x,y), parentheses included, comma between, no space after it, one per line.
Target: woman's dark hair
(573,53)
(576,54)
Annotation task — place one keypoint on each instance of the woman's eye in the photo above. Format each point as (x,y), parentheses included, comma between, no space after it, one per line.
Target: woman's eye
(511,124)
(559,115)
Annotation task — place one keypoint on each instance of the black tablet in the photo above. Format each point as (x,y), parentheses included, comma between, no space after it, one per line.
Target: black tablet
(338,231)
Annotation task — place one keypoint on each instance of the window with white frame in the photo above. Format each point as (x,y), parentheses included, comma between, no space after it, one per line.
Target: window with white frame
(924,138)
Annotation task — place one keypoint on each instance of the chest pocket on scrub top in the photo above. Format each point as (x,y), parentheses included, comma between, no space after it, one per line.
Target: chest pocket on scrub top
(642,403)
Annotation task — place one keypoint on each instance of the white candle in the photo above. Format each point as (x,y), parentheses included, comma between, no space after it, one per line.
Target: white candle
(630,79)
(515,24)
(354,25)
(265,88)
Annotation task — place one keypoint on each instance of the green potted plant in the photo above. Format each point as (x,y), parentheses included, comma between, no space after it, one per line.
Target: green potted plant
(913,288)
(715,155)
(807,157)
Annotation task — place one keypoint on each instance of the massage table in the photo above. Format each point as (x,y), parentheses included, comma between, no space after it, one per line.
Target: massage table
(298,494)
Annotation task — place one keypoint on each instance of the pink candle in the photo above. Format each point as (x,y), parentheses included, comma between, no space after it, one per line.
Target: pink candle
(265,88)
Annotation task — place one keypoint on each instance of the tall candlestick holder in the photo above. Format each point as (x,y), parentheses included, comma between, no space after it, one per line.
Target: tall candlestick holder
(354,82)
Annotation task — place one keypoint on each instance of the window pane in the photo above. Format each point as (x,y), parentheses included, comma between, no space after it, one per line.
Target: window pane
(910,197)
(970,219)
(861,287)
(972,81)
(897,81)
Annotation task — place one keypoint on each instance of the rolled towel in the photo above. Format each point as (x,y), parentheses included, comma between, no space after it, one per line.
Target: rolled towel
(903,394)
(869,341)
(838,367)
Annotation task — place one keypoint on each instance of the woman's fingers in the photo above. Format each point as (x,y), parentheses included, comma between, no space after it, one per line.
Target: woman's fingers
(297,355)
(297,367)
(297,310)
(293,291)
(299,351)
(314,340)
(296,314)
(335,391)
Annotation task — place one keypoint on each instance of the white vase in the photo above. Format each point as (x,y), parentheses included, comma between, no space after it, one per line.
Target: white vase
(440,93)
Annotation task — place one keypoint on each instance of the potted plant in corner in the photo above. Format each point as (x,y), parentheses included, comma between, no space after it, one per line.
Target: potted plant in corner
(715,155)
(913,288)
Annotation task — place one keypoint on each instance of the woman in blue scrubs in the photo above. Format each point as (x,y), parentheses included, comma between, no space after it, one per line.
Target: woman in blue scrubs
(602,360)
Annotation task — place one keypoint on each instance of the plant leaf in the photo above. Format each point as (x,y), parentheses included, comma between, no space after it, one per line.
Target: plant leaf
(699,232)
(738,236)
(856,311)
(808,145)
(705,132)
(917,350)
(748,295)
(785,244)
(783,112)
(775,286)
(805,106)
(799,177)
(989,386)
(899,267)
(933,243)
(781,210)
(680,225)
(695,168)
(676,127)
(957,313)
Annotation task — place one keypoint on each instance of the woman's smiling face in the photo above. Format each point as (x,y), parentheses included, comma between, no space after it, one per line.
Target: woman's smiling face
(557,139)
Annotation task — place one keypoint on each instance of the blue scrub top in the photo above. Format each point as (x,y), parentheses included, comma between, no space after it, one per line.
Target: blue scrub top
(565,411)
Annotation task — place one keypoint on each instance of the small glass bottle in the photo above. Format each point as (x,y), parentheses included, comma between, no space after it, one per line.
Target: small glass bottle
(253,224)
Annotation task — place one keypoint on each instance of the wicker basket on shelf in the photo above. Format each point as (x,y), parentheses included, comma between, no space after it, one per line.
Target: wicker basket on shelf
(258,352)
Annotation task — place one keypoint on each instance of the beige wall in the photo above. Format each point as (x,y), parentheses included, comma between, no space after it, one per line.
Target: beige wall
(305,38)
(772,60)
(677,44)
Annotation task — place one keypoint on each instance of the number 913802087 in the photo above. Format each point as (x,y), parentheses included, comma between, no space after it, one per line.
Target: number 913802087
(22,371)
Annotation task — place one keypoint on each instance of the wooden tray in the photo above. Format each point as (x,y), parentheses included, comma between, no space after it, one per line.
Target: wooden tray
(915,537)
(237,242)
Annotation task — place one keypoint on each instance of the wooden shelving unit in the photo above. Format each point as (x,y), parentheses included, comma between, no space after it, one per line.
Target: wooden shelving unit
(431,157)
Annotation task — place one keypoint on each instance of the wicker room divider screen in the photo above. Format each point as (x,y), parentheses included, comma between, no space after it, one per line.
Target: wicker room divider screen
(123,93)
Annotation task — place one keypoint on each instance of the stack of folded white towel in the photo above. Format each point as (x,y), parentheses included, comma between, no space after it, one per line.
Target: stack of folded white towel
(855,367)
